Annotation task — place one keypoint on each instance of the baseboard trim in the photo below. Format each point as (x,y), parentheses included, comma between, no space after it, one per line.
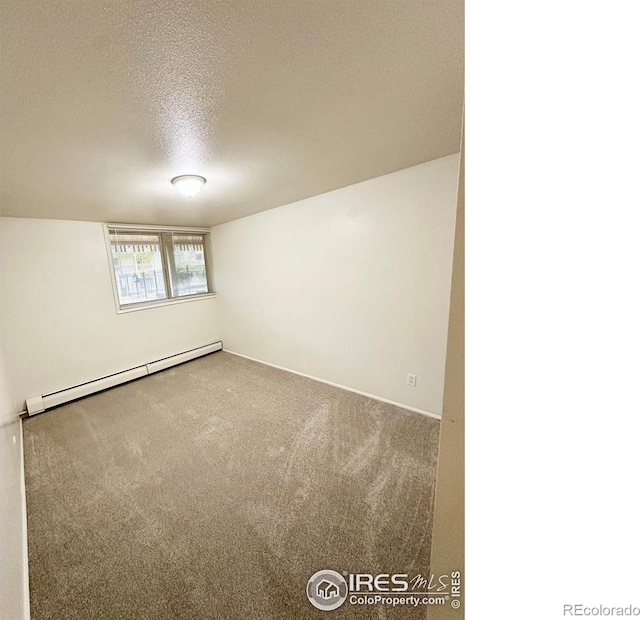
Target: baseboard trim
(25,544)
(435,416)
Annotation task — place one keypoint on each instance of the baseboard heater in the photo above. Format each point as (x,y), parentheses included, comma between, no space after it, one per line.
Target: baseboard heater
(38,404)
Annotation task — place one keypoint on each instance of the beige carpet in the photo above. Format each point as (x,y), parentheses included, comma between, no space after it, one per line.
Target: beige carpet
(215,489)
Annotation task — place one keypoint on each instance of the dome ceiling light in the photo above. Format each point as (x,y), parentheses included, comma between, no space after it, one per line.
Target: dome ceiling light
(188,184)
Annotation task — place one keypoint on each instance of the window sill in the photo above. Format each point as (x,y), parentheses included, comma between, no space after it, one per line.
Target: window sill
(162,303)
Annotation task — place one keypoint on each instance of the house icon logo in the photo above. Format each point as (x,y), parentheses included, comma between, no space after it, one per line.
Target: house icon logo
(327,590)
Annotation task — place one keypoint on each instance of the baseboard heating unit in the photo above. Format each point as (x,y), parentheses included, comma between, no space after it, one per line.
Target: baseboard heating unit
(38,404)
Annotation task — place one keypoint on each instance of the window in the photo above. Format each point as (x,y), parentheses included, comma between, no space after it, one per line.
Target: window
(153,266)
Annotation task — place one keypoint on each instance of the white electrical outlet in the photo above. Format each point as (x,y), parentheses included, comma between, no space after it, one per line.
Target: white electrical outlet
(411,380)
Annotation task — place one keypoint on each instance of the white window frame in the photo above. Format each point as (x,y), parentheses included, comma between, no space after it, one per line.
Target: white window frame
(160,230)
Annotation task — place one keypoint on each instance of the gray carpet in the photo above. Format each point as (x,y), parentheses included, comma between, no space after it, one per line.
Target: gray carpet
(215,489)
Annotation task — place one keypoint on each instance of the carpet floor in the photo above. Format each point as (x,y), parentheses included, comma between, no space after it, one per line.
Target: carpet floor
(215,489)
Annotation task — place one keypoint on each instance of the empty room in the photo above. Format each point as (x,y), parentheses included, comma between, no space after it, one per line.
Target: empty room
(228,309)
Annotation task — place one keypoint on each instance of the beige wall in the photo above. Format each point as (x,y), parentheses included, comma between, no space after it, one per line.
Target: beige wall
(13,569)
(447,552)
(12,547)
(351,286)
(60,325)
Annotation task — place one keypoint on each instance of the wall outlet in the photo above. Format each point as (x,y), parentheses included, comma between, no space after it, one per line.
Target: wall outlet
(411,380)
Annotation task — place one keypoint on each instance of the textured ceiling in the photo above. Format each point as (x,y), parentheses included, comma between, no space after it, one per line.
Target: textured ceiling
(104,102)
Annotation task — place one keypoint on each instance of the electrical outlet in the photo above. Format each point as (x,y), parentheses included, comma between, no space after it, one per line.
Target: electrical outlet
(411,380)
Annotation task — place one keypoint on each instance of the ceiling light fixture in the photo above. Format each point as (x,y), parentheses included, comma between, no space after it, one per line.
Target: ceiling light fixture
(188,184)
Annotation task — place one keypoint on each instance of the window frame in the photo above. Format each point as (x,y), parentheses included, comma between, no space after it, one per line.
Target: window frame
(164,237)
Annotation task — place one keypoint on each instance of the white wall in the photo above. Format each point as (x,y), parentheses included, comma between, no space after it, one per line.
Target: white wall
(60,325)
(351,286)
(13,567)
